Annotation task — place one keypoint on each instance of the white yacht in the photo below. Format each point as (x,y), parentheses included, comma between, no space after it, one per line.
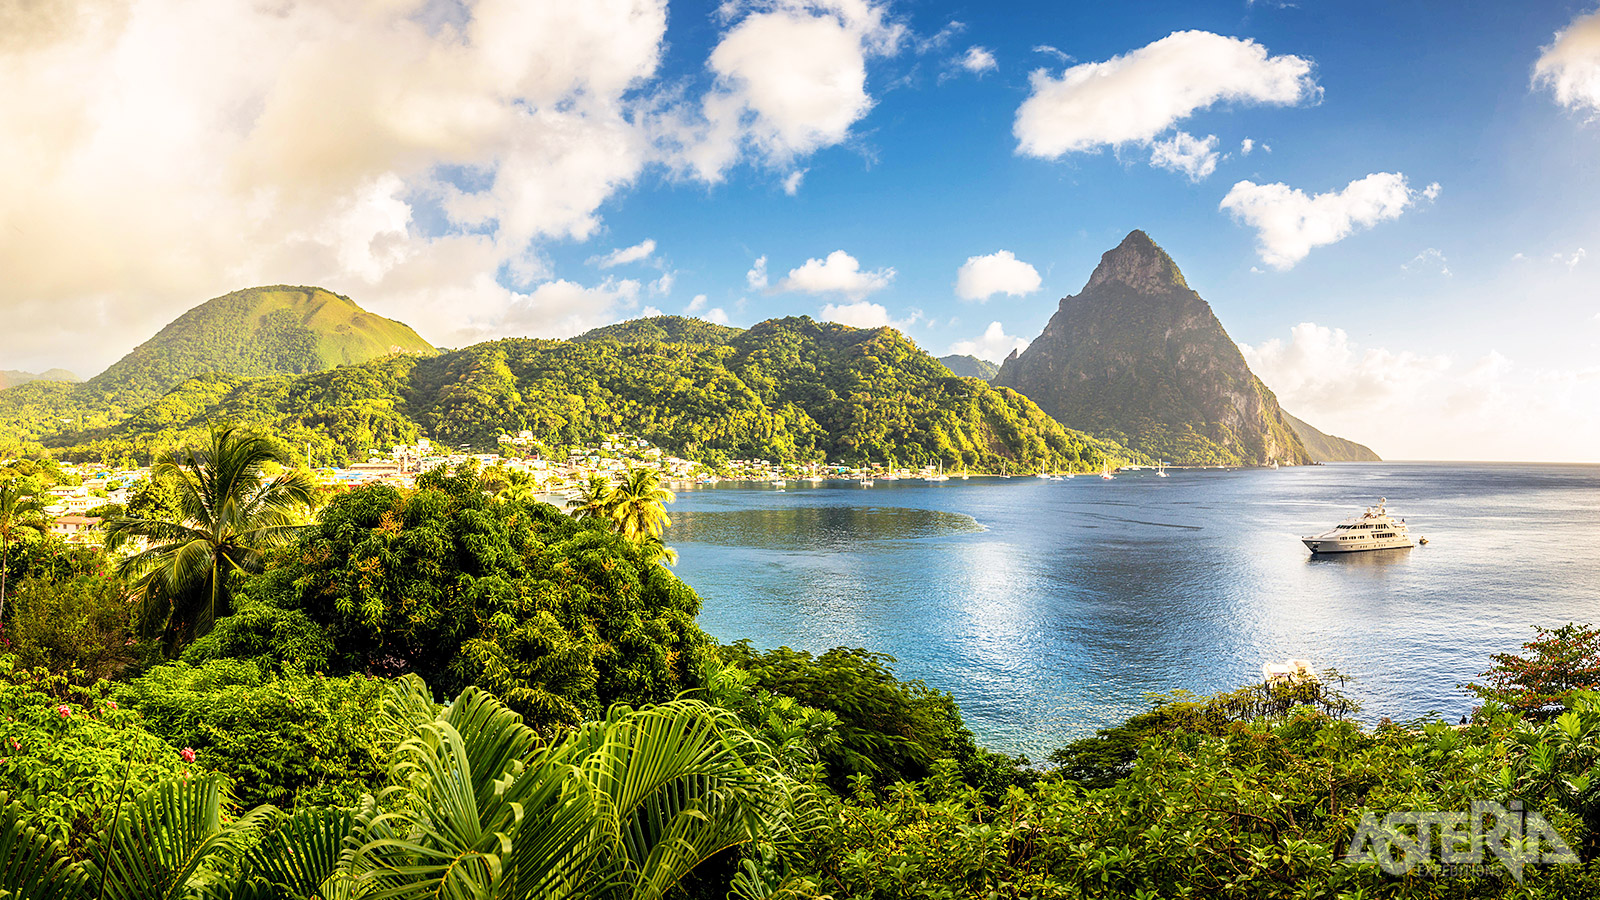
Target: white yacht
(1374,529)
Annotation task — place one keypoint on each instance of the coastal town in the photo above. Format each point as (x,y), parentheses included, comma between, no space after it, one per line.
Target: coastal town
(88,493)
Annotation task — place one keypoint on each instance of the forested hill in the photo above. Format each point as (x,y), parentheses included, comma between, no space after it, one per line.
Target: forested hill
(1327,448)
(786,389)
(1138,356)
(663,329)
(13,377)
(257,331)
(970,366)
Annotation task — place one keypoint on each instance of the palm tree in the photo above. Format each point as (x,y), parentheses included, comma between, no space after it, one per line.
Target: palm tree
(593,500)
(479,807)
(520,488)
(231,513)
(21,512)
(639,505)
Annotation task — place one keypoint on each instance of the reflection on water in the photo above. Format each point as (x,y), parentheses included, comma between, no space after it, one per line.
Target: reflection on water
(830,528)
(1050,608)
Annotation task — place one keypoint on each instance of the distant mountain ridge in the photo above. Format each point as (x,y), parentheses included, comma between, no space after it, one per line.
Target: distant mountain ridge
(1327,448)
(273,330)
(14,377)
(1139,357)
(970,366)
(788,389)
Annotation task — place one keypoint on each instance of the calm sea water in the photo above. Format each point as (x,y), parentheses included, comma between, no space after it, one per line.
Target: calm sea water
(1049,609)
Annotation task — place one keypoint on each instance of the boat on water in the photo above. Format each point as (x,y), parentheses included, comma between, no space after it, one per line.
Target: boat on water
(866,482)
(1161,469)
(1374,529)
(1105,471)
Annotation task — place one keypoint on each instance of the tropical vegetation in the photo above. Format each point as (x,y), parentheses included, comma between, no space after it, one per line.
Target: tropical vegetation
(453,692)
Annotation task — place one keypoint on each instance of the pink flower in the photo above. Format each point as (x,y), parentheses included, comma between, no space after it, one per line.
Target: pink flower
(188,755)
(65,710)
(111,703)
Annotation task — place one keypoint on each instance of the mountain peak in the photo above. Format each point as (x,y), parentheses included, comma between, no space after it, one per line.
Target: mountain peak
(1139,263)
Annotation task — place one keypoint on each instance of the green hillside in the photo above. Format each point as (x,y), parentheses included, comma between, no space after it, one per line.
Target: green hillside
(786,389)
(1327,448)
(970,366)
(10,378)
(258,331)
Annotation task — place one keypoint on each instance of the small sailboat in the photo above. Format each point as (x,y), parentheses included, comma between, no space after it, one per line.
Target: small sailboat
(1105,471)
(1161,469)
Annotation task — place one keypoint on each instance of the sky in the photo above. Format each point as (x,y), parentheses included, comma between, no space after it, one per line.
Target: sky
(1391,206)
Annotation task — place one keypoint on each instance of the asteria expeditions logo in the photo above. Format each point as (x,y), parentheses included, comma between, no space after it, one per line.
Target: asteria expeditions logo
(1404,843)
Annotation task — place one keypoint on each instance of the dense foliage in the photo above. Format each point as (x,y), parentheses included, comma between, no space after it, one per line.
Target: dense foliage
(787,389)
(292,740)
(557,618)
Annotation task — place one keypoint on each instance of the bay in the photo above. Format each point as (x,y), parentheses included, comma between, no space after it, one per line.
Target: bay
(1049,609)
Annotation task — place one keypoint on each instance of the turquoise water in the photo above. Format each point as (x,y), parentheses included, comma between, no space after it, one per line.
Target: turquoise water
(1049,609)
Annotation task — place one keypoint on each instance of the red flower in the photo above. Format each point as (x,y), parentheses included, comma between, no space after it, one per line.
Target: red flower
(188,755)
(65,711)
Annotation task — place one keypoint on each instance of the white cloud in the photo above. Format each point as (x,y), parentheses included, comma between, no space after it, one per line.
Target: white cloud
(1431,192)
(696,305)
(1573,260)
(1136,96)
(1245,146)
(1410,405)
(861,314)
(994,344)
(175,151)
(1431,259)
(981,277)
(663,285)
(1186,154)
(790,79)
(624,255)
(756,278)
(716,316)
(649,312)
(559,309)
(1048,50)
(791,182)
(840,273)
(1289,223)
(1570,66)
(979,60)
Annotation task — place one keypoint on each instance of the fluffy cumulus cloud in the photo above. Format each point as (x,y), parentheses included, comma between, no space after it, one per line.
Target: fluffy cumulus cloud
(624,255)
(416,155)
(791,78)
(176,151)
(1409,405)
(1570,67)
(978,60)
(1135,97)
(756,278)
(839,273)
(994,344)
(862,314)
(1289,222)
(1186,154)
(981,277)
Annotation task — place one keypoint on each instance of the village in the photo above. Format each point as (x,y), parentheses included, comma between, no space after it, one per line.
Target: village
(88,493)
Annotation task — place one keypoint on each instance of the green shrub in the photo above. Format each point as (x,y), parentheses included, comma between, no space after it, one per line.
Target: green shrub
(68,752)
(81,627)
(292,740)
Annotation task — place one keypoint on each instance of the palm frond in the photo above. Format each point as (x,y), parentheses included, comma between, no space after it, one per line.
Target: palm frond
(32,866)
(161,842)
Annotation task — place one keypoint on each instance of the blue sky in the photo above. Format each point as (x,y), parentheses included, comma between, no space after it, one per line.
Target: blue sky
(468,167)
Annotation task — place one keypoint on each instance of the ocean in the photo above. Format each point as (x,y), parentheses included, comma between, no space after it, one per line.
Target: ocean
(1052,608)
